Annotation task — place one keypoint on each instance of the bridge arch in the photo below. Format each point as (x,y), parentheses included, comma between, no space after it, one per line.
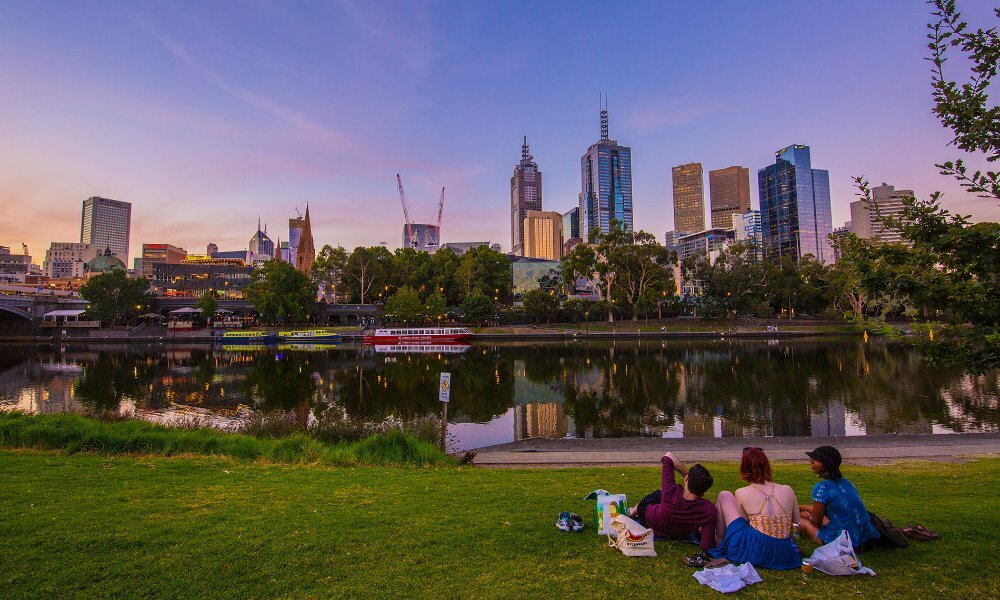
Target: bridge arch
(17,312)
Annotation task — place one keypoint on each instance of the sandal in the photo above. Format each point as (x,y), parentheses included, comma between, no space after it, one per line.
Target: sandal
(697,561)
(919,533)
(927,532)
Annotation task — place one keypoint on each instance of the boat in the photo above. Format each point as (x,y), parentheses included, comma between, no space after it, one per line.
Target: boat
(418,335)
(247,337)
(309,336)
(418,348)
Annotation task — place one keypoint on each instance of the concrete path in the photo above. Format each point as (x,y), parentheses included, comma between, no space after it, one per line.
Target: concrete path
(861,450)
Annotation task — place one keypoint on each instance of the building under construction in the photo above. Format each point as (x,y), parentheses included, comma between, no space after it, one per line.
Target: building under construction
(422,237)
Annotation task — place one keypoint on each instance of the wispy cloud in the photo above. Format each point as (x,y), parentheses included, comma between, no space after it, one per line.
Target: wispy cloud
(408,37)
(262,103)
(672,112)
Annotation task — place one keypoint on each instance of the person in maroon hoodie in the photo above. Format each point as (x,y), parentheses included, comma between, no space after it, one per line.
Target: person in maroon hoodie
(678,511)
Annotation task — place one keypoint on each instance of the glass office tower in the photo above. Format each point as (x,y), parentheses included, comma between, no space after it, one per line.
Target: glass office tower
(795,207)
(606,171)
(107,223)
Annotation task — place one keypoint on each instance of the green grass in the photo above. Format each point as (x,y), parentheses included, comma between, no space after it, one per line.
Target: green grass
(75,433)
(100,526)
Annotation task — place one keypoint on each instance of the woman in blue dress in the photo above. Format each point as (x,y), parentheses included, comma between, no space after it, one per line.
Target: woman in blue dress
(836,506)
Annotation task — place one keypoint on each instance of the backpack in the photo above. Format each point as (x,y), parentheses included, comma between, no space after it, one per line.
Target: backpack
(890,535)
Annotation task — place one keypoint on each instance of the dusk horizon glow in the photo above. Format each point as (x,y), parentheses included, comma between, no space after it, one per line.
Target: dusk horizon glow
(209,117)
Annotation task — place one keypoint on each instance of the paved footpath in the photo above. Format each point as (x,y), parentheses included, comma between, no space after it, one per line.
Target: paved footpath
(863,450)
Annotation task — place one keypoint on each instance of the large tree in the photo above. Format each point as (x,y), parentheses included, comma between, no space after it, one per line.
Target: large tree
(540,305)
(281,293)
(114,297)
(208,304)
(327,269)
(736,281)
(364,273)
(600,260)
(485,271)
(404,306)
(645,270)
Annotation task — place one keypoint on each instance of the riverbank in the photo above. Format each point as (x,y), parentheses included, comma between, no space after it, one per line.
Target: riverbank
(196,527)
(864,450)
(603,331)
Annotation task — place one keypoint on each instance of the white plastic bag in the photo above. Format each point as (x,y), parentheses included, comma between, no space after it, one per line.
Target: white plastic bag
(838,558)
(630,537)
(728,578)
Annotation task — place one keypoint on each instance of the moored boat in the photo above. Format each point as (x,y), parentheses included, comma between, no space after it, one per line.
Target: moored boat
(422,335)
(247,337)
(309,336)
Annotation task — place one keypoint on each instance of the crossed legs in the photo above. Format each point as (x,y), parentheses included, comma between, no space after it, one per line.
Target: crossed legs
(728,510)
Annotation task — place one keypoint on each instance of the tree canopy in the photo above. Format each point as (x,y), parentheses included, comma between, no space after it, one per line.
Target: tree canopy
(115,297)
(281,293)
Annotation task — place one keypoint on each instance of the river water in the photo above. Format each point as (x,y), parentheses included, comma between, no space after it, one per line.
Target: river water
(503,392)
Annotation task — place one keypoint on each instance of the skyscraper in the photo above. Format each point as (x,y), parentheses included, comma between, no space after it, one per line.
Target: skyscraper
(689,198)
(730,194)
(303,254)
(606,171)
(261,248)
(525,195)
(571,223)
(543,235)
(869,223)
(107,224)
(795,214)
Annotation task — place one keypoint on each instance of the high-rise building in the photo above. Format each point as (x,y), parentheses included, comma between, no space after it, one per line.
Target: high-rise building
(160,254)
(795,207)
(571,223)
(525,195)
(303,252)
(606,171)
(66,260)
(689,198)
(261,248)
(747,229)
(543,235)
(868,220)
(106,223)
(730,194)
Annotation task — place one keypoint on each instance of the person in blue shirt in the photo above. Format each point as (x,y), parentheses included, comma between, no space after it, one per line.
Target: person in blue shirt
(836,506)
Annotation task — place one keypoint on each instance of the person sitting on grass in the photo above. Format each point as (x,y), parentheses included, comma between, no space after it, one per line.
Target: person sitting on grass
(676,511)
(756,521)
(836,506)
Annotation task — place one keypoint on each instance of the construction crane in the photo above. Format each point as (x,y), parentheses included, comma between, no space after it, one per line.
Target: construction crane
(406,210)
(25,246)
(440,210)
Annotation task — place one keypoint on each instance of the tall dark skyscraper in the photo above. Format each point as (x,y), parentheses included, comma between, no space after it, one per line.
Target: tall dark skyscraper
(525,195)
(606,171)
(107,223)
(795,207)
(730,190)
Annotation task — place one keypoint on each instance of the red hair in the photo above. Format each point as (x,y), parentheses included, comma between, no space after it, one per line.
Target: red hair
(755,468)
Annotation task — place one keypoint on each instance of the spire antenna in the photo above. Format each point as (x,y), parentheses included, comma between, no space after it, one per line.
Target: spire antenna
(524,149)
(604,117)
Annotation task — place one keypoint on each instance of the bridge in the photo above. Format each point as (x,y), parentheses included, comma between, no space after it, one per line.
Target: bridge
(30,308)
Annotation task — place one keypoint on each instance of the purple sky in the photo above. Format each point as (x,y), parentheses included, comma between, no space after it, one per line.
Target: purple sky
(208,115)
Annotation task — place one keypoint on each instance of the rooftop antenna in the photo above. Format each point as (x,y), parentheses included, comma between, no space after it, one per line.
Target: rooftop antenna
(604,117)
(524,150)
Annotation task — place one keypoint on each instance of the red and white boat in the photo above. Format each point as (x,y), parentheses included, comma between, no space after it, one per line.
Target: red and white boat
(416,335)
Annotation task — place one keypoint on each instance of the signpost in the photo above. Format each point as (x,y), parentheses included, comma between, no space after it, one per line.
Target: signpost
(444,395)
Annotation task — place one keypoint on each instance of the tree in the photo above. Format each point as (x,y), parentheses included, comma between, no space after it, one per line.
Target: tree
(485,271)
(113,296)
(364,272)
(737,280)
(644,266)
(600,261)
(404,306)
(477,308)
(540,305)
(208,304)
(281,293)
(436,306)
(444,265)
(328,267)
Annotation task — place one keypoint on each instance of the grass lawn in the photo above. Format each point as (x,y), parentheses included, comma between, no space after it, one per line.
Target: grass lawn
(125,526)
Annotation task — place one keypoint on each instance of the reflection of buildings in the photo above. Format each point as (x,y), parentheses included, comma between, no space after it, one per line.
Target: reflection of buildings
(534,420)
(832,420)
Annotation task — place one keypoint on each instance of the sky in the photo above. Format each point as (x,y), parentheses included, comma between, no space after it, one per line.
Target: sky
(209,115)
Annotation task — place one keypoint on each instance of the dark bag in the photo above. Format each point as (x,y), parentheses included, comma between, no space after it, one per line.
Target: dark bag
(890,535)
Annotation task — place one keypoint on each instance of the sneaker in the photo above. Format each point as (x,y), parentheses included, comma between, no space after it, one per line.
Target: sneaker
(562,523)
(575,522)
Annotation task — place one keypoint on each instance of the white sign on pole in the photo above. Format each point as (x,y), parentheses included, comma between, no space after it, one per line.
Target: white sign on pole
(444,392)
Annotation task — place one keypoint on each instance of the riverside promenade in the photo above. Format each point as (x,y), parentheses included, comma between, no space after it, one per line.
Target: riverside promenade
(858,450)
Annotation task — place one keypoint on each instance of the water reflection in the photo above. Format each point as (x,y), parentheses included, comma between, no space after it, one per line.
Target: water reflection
(504,392)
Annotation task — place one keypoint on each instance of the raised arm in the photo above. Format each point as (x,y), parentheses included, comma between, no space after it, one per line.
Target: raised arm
(678,465)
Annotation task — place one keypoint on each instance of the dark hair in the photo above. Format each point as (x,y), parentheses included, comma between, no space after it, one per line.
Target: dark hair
(830,458)
(699,480)
(755,468)
(830,472)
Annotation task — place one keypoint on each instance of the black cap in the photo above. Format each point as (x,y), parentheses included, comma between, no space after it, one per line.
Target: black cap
(828,455)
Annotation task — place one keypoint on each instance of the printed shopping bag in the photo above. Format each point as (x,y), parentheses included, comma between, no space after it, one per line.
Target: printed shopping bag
(630,537)
(838,558)
(606,508)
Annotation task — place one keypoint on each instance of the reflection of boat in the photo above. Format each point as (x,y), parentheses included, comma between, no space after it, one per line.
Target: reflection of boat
(243,347)
(419,335)
(309,336)
(422,348)
(247,337)
(306,346)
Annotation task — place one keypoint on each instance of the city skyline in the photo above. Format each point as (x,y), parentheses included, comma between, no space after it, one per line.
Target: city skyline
(202,119)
